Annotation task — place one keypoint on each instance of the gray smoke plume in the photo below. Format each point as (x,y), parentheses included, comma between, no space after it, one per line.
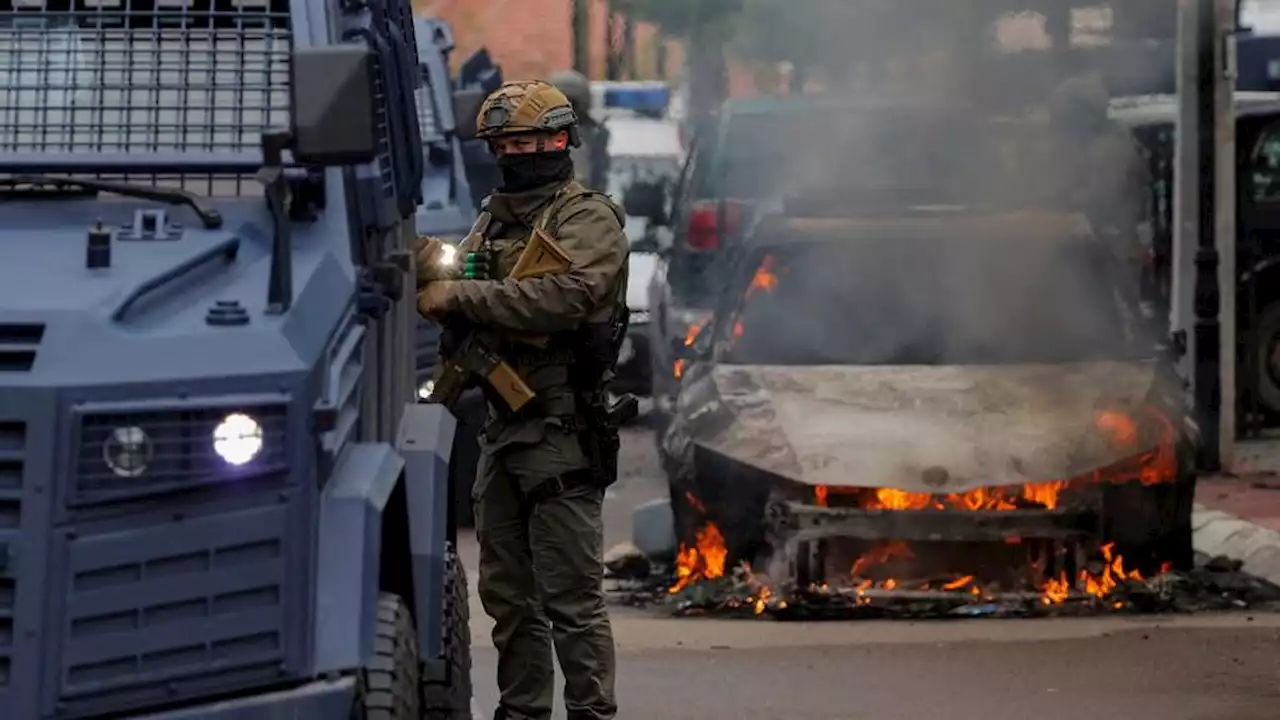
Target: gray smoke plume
(938,114)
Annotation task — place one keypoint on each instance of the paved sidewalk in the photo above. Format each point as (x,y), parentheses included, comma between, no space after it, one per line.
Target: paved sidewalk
(1240,518)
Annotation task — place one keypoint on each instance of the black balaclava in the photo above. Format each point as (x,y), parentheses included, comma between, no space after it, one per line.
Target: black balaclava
(524,172)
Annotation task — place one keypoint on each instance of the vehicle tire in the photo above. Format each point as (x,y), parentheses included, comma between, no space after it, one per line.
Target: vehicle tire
(449,698)
(1266,357)
(1150,525)
(391,680)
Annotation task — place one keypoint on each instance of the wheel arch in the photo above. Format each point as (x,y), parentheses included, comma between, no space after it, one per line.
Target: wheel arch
(425,443)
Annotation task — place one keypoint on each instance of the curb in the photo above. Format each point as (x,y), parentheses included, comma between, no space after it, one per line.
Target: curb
(1214,532)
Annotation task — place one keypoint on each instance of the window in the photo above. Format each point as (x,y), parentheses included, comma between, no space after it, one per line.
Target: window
(1266,165)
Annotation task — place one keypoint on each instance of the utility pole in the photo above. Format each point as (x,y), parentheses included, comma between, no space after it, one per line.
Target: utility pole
(614,42)
(1225,26)
(1203,288)
(581,20)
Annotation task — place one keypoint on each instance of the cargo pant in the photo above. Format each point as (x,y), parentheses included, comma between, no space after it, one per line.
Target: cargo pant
(541,575)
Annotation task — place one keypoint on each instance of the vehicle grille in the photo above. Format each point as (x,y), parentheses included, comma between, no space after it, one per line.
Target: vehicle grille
(13,438)
(143,79)
(162,613)
(177,452)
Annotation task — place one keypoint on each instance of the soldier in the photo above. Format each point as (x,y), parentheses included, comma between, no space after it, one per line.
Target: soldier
(591,158)
(541,477)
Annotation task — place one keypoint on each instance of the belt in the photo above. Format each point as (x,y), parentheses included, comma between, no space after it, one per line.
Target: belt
(557,485)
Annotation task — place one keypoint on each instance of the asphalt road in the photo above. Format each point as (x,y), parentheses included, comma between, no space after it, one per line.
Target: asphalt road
(1204,667)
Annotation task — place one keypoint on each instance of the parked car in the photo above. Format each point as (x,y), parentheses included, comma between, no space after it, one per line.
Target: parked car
(738,161)
(645,156)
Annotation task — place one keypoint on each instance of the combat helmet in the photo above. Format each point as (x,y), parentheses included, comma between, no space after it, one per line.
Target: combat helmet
(525,106)
(576,87)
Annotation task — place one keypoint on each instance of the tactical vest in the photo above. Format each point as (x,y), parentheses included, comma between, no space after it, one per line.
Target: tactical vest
(572,368)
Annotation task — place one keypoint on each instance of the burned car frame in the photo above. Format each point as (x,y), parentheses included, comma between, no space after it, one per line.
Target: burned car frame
(959,430)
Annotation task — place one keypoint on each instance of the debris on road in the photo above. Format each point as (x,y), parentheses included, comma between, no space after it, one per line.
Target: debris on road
(1215,584)
(625,560)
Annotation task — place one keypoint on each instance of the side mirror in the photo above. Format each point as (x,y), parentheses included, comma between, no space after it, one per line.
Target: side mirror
(333,106)
(646,200)
(466,106)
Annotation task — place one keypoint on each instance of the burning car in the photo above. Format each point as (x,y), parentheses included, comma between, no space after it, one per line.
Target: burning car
(937,401)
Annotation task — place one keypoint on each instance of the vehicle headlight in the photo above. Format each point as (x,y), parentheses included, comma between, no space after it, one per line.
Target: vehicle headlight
(128,451)
(425,389)
(237,439)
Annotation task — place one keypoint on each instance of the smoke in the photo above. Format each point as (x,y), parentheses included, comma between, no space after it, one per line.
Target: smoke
(932,118)
(941,291)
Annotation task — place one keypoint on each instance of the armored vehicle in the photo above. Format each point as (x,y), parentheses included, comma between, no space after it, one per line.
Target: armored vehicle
(217,496)
(447,212)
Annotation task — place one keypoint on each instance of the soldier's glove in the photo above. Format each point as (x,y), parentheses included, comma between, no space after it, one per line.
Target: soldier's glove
(476,266)
(433,299)
(435,260)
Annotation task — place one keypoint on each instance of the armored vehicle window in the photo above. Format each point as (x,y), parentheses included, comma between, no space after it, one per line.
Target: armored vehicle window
(895,300)
(162,87)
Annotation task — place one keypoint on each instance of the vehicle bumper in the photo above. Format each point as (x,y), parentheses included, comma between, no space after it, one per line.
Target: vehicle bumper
(635,368)
(321,700)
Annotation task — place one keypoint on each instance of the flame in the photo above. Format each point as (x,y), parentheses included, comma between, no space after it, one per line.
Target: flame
(1044,495)
(1157,465)
(704,561)
(1120,428)
(879,555)
(958,583)
(765,278)
(692,336)
(820,495)
(1113,575)
(677,368)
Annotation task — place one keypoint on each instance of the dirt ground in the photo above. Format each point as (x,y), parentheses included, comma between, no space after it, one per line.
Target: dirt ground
(1203,667)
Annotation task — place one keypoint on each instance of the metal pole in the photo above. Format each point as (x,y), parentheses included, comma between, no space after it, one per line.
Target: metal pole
(1208,352)
(1186,204)
(1225,219)
(581,20)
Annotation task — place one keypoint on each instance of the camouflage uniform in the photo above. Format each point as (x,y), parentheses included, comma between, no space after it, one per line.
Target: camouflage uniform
(538,515)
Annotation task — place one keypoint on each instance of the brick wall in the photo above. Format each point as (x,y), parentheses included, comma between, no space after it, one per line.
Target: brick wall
(533,38)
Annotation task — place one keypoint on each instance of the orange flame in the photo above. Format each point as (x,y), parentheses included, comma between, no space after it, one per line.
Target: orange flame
(1113,575)
(691,336)
(704,561)
(1158,465)
(1121,429)
(677,368)
(765,278)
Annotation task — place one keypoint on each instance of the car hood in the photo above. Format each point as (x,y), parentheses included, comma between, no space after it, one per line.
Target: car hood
(885,426)
(639,272)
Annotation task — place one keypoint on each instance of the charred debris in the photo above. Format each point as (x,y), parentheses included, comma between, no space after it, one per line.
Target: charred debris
(705,589)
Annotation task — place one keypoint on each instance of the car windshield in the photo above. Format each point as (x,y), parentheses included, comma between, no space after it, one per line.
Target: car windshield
(923,155)
(932,302)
